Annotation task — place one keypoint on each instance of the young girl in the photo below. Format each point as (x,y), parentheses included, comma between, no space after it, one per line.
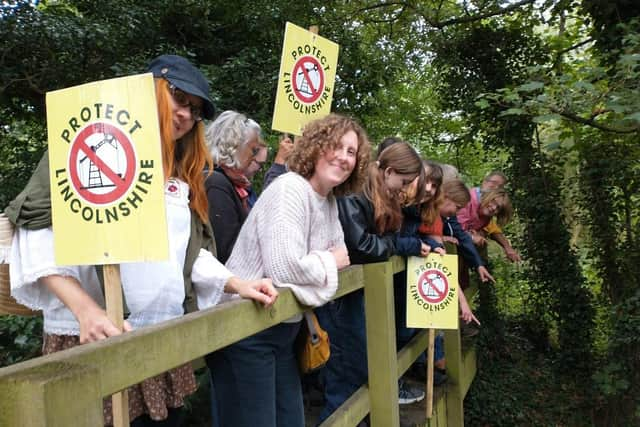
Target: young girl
(456,196)
(430,222)
(292,235)
(423,220)
(371,221)
(482,207)
(70,296)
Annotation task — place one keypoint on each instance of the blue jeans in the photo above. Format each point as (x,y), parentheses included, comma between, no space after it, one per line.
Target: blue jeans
(346,371)
(403,333)
(257,382)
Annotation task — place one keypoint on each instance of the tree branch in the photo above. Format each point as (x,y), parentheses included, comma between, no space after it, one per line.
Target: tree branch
(448,22)
(575,46)
(383,4)
(478,17)
(558,59)
(591,122)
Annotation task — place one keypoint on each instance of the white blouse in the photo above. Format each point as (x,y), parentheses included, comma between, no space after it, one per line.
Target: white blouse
(153,291)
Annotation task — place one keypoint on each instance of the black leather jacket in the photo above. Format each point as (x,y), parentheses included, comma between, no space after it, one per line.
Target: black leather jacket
(358,224)
(360,234)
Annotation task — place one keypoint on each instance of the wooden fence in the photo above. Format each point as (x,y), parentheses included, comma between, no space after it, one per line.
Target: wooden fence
(66,388)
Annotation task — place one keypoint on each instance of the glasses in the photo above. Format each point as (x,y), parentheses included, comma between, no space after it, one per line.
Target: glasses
(254,153)
(182,99)
(258,163)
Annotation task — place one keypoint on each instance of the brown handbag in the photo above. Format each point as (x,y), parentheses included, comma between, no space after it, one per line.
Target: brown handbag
(313,344)
(8,305)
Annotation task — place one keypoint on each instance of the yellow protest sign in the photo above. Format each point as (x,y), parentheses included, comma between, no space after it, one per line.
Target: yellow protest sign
(432,292)
(306,79)
(105,164)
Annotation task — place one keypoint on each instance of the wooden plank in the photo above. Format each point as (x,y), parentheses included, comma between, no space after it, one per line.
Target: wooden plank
(381,345)
(352,411)
(56,395)
(412,350)
(115,312)
(439,418)
(453,352)
(119,363)
(351,279)
(32,392)
(398,264)
(469,368)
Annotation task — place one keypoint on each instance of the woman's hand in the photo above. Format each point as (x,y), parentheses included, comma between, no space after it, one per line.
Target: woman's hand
(424,249)
(342,257)
(440,251)
(512,255)
(450,239)
(485,275)
(465,312)
(285,147)
(95,325)
(93,320)
(478,239)
(261,290)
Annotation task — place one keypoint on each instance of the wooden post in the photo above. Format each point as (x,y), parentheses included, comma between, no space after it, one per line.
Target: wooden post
(115,312)
(430,373)
(455,398)
(381,344)
(55,395)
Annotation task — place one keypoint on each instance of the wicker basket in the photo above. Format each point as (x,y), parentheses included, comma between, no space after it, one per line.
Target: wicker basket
(8,305)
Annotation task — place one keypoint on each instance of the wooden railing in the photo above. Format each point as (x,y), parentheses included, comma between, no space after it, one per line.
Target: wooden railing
(66,388)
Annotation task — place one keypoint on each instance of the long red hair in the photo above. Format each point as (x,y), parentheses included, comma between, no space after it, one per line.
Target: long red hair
(186,158)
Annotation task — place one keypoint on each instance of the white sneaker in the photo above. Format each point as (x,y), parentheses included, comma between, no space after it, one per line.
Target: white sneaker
(408,394)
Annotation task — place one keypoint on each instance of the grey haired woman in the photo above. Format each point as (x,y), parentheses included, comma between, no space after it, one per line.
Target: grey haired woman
(233,140)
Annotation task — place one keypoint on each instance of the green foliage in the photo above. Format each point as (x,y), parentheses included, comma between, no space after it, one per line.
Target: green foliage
(618,377)
(609,193)
(596,94)
(517,385)
(606,29)
(22,145)
(492,57)
(527,92)
(20,338)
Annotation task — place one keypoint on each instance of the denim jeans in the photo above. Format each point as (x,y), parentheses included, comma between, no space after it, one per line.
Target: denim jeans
(346,371)
(403,333)
(257,382)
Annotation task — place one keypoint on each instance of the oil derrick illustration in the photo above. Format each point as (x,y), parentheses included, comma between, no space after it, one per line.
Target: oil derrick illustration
(95,175)
(304,86)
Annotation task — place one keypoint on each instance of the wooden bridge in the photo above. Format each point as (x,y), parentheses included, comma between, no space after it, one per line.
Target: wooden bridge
(66,388)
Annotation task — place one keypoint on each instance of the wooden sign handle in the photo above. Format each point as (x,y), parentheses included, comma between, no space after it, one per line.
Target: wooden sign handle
(430,374)
(115,312)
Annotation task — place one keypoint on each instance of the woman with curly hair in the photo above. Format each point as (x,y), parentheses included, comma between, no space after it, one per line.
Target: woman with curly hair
(293,236)
(371,220)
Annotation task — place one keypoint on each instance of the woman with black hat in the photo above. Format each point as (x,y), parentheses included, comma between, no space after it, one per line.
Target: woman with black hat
(70,296)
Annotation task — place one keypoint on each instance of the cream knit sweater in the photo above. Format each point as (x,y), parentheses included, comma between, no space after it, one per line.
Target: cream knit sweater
(287,237)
